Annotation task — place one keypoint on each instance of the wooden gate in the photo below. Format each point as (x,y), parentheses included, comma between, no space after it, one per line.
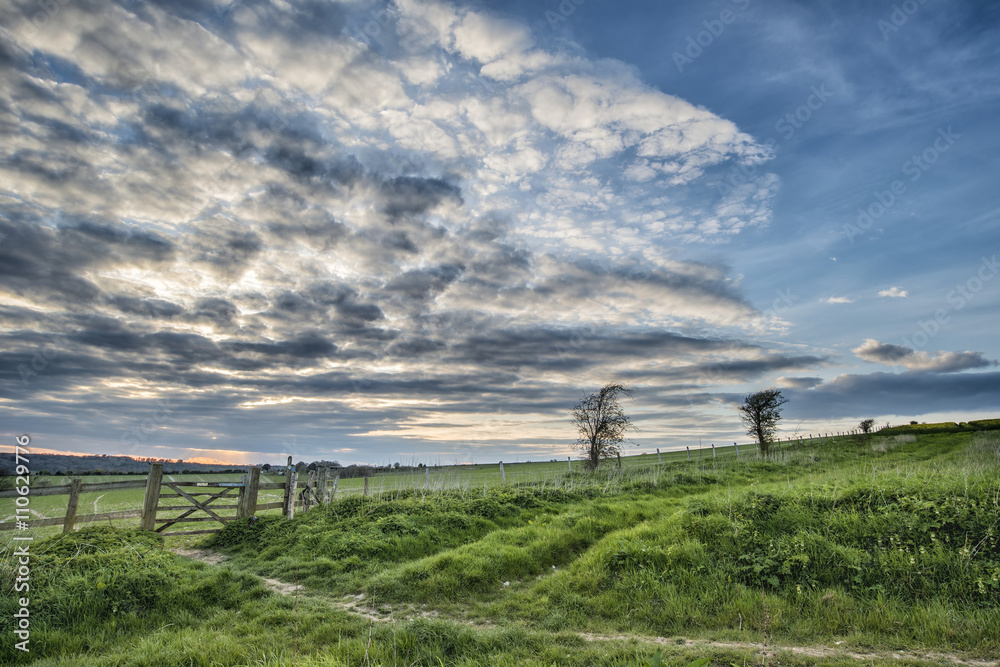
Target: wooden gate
(246,501)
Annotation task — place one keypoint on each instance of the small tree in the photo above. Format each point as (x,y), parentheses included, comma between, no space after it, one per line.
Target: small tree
(865,428)
(760,413)
(602,423)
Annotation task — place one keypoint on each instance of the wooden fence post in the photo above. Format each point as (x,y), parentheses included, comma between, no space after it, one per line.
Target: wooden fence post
(249,504)
(619,454)
(569,464)
(713,450)
(152,498)
(689,453)
(336,481)
(366,485)
(287,501)
(659,456)
(503,477)
(293,481)
(242,496)
(310,489)
(74,502)
(321,485)
(737,450)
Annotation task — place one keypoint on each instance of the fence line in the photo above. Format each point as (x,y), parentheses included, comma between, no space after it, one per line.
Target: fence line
(315,490)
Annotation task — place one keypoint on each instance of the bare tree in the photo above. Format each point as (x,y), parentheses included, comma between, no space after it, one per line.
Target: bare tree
(760,413)
(602,423)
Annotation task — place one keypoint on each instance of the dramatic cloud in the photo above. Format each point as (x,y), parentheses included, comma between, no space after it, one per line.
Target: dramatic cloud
(314,226)
(938,362)
(276,207)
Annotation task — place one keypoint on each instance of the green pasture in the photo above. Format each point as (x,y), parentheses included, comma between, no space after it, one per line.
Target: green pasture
(861,551)
(462,478)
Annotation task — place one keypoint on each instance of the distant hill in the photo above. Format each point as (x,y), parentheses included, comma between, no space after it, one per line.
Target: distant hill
(65,464)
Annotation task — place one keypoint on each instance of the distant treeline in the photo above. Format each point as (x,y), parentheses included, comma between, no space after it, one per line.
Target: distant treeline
(77,466)
(943,427)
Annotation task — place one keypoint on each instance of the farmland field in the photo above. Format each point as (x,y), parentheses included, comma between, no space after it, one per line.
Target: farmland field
(860,551)
(438,478)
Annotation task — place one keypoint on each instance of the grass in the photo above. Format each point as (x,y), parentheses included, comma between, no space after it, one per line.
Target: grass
(869,544)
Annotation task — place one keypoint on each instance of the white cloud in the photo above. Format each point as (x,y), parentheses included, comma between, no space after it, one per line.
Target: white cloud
(838,299)
(894,292)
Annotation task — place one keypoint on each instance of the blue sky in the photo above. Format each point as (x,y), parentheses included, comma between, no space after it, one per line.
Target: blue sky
(420,231)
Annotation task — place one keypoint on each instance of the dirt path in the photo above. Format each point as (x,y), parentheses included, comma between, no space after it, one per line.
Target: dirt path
(355,604)
(772,650)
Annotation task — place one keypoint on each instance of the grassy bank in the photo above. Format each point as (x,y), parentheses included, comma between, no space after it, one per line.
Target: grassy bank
(865,544)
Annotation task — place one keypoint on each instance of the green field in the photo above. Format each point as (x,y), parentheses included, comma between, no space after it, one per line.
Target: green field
(860,551)
(463,478)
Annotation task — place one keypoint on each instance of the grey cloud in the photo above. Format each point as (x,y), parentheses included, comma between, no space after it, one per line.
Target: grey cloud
(910,393)
(131,246)
(799,382)
(150,308)
(306,168)
(317,228)
(425,283)
(224,246)
(306,345)
(187,348)
(33,260)
(873,350)
(745,369)
(938,362)
(414,347)
(575,348)
(220,311)
(108,333)
(398,240)
(47,261)
(409,195)
(345,301)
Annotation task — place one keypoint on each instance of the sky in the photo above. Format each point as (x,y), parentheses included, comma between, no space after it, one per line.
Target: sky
(421,231)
